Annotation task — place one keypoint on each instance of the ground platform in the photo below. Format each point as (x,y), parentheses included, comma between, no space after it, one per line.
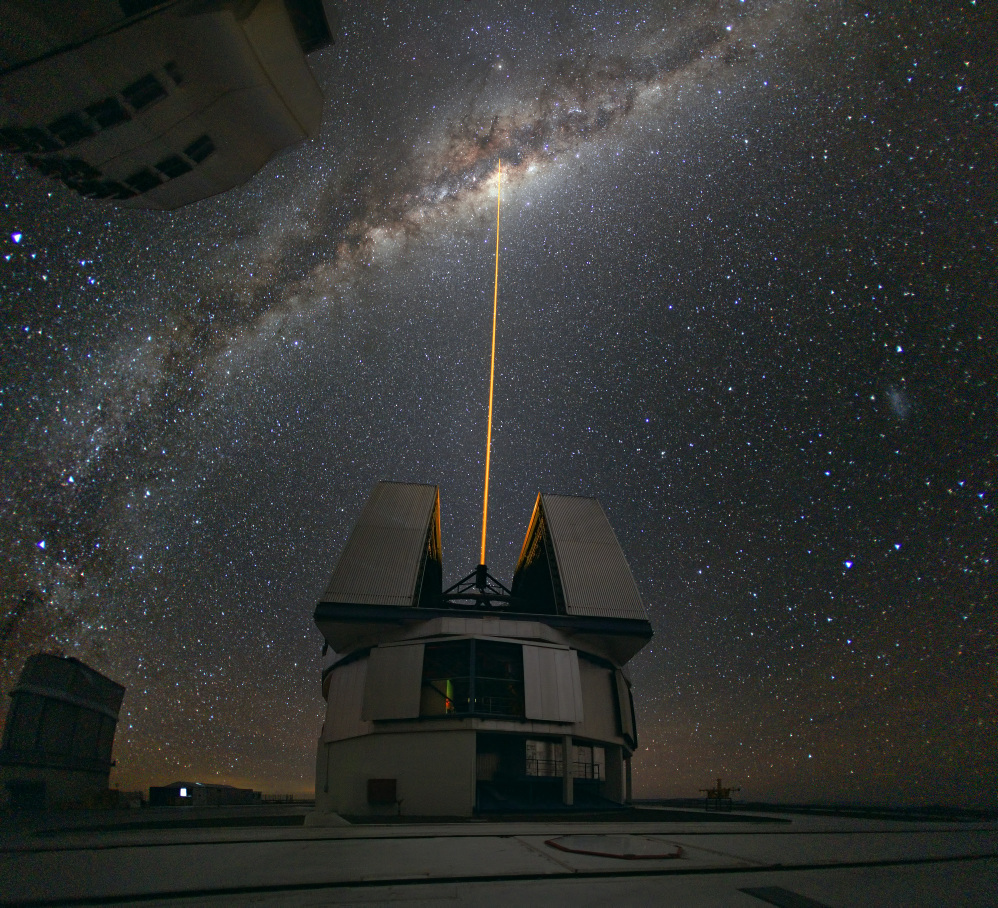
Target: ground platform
(234,856)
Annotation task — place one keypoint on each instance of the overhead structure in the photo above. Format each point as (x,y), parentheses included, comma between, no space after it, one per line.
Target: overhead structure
(58,735)
(572,562)
(393,556)
(479,697)
(151,104)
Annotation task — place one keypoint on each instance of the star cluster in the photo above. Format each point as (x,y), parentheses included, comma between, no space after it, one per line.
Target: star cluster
(746,301)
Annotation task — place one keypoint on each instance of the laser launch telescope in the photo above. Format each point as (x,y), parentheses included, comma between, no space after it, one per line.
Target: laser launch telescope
(479,698)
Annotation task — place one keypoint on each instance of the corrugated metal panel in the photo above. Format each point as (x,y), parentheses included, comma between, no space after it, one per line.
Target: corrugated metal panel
(625,708)
(598,703)
(66,678)
(383,558)
(394,677)
(346,701)
(593,571)
(552,688)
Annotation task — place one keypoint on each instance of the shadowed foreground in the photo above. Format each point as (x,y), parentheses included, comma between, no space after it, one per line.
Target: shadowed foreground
(658,857)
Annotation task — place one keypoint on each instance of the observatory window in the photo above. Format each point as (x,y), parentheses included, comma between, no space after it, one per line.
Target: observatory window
(472,677)
(143,92)
(23,721)
(199,149)
(173,166)
(27,140)
(71,128)
(498,678)
(143,180)
(546,758)
(446,686)
(108,112)
(133,7)
(173,71)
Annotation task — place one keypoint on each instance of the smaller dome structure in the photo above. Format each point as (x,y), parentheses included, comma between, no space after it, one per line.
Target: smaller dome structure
(59,733)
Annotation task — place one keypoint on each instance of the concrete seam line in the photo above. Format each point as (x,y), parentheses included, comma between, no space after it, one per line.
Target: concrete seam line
(44,849)
(496,878)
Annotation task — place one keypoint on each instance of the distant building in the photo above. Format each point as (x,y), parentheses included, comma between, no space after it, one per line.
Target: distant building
(198,794)
(59,733)
(158,104)
(480,697)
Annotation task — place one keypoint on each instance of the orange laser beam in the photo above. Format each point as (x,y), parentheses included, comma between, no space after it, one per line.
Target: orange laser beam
(492,371)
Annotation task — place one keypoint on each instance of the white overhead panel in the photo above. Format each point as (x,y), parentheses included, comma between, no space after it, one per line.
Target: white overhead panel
(552,688)
(395,541)
(394,677)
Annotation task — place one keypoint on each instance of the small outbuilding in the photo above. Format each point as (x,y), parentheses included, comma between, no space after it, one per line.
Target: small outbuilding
(200,794)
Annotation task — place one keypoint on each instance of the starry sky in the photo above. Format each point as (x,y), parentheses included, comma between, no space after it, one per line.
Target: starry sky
(746,300)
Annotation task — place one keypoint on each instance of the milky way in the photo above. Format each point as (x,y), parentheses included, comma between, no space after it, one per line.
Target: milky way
(113,434)
(745,302)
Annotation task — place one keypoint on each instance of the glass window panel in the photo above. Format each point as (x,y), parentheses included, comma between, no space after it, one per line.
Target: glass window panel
(492,687)
(87,732)
(543,758)
(143,180)
(71,128)
(498,678)
(56,733)
(446,678)
(24,717)
(173,166)
(108,112)
(199,149)
(143,92)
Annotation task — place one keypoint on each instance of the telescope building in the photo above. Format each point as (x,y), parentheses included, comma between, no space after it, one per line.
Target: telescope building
(151,104)
(477,698)
(59,733)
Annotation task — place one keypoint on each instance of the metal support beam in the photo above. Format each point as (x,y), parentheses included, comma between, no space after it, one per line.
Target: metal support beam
(568,765)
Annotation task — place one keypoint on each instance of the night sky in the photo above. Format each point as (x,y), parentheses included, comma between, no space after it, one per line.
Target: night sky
(747,301)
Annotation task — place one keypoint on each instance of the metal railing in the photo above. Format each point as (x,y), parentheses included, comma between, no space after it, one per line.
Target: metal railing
(555,769)
(462,702)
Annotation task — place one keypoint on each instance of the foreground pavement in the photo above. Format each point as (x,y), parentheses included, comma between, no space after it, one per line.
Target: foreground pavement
(807,862)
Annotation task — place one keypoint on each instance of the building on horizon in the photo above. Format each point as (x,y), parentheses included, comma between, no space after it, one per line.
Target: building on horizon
(158,104)
(59,735)
(201,794)
(479,698)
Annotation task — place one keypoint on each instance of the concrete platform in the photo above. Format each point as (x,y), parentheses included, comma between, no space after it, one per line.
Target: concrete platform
(810,861)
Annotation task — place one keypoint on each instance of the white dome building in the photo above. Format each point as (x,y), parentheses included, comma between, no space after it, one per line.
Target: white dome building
(448,703)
